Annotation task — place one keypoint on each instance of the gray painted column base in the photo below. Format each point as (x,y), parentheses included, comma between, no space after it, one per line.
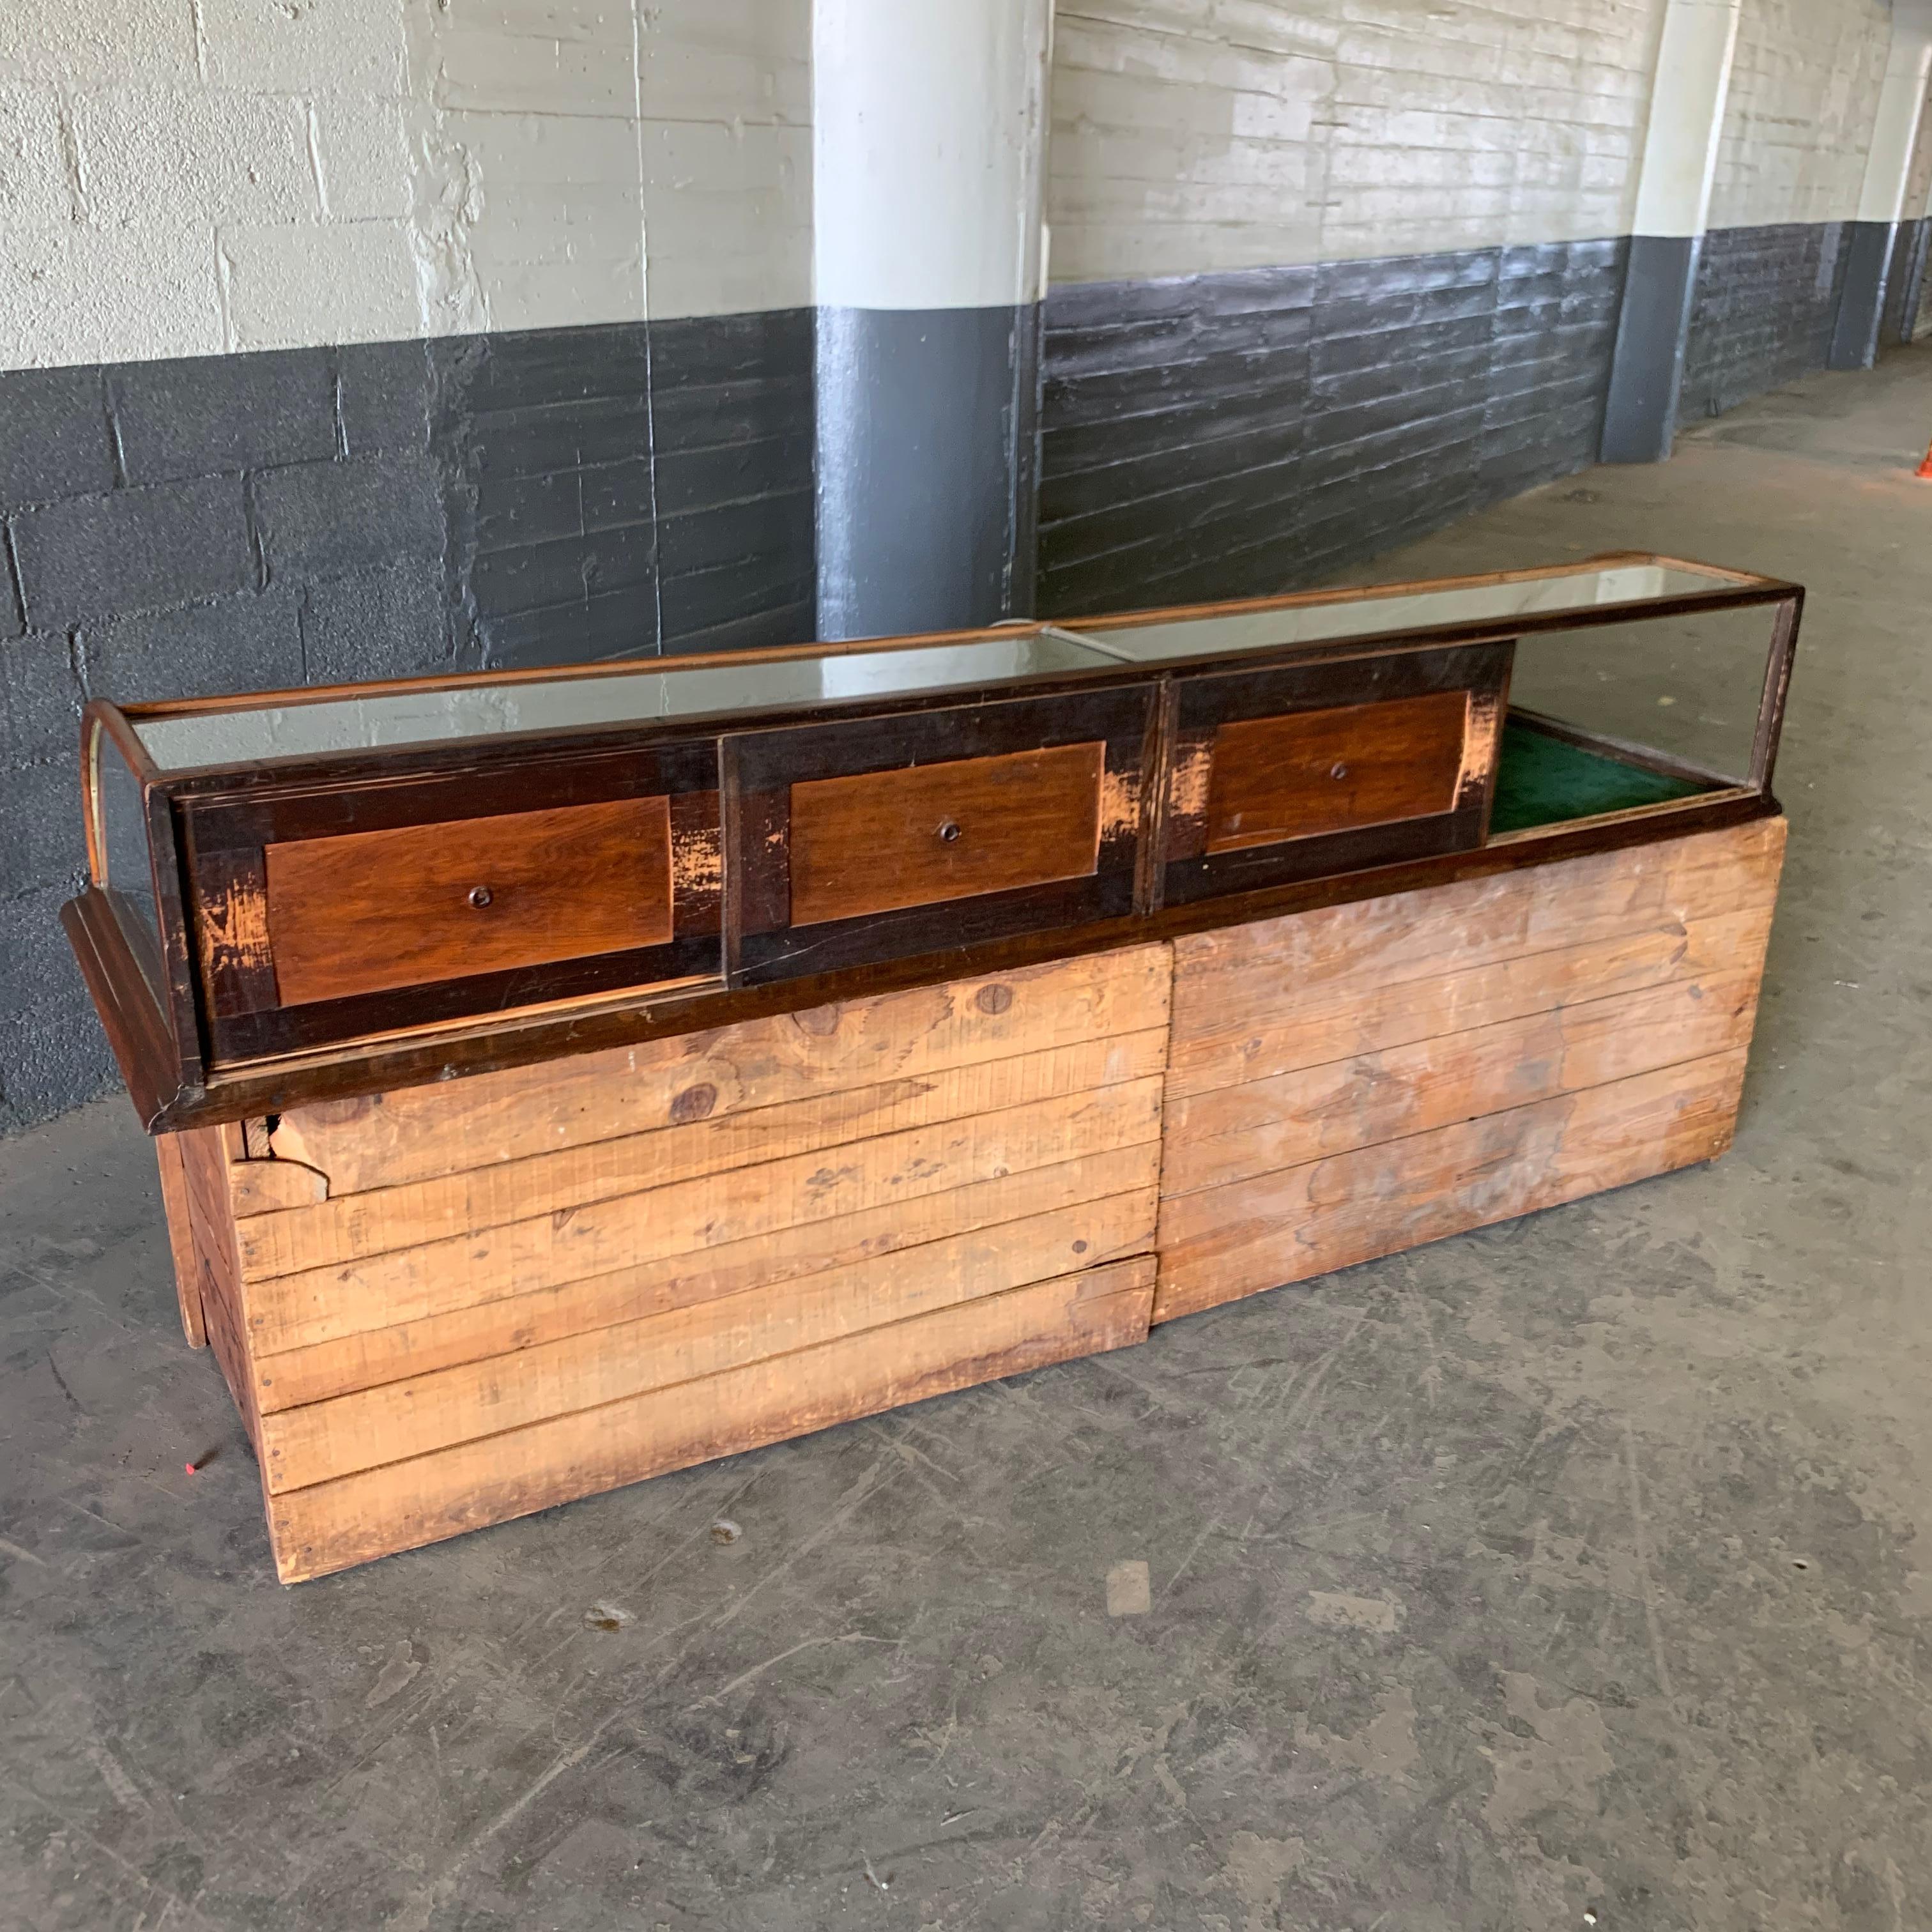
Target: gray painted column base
(1647,367)
(1861,306)
(926,434)
(1904,297)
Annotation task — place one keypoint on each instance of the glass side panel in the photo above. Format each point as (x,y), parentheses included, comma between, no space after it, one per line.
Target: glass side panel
(123,823)
(1688,686)
(630,697)
(1401,611)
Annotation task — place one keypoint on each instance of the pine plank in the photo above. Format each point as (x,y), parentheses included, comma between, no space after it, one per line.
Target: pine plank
(181,1239)
(345,1227)
(366,1429)
(546,1248)
(204,1162)
(1474,923)
(316,1360)
(1278,1028)
(266,1185)
(1222,1242)
(386,1140)
(329,1526)
(1234,1133)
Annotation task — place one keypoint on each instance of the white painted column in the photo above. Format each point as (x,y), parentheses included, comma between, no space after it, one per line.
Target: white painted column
(1673,202)
(1901,103)
(929,120)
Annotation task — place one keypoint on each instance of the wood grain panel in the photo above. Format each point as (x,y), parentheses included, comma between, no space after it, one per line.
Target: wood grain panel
(418,1132)
(363,912)
(435,1410)
(1234,1133)
(1219,1243)
(877,842)
(1096,1209)
(330,1526)
(346,1228)
(1308,773)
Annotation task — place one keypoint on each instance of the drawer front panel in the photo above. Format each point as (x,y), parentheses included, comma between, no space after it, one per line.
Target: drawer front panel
(326,910)
(370,911)
(887,840)
(1281,775)
(1308,773)
(854,840)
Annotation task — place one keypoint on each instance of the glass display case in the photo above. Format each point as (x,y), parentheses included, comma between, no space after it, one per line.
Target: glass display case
(295,893)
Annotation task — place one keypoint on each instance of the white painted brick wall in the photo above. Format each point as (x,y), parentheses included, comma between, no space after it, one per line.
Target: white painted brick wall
(1919,182)
(1804,87)
(725,92)
(1190,135)
(185,177)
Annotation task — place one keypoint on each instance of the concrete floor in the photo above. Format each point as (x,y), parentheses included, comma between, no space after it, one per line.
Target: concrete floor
(1570,1568)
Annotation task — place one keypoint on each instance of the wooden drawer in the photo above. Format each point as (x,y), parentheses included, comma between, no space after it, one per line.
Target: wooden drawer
(1308,773)
(327,912)
(1283,775)
(895,837)
(367,911)
(887,840)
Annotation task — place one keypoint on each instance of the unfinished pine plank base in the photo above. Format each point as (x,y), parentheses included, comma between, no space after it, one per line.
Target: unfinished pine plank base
(1349,1082)
(445,1306)
(449,1306)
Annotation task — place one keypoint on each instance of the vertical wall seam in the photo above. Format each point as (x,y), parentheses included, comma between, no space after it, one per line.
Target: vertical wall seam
(644,310)
(13,571)
(111,415)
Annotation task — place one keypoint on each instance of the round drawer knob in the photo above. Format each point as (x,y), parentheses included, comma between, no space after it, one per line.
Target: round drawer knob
(480,896)
(950,830)
(1338,771)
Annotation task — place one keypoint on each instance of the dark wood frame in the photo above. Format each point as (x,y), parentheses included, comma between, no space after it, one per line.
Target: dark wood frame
(761,766)
(1205,701)
(183,1070)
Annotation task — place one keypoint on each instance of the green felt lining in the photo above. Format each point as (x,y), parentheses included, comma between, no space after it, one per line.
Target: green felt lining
(1543,780)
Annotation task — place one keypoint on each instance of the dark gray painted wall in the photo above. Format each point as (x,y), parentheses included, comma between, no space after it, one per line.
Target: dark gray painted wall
(1766,306)
(210,525)
(620,490)
(1231,434)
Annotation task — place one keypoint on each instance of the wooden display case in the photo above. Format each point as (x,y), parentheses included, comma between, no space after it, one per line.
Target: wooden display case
(563,1076)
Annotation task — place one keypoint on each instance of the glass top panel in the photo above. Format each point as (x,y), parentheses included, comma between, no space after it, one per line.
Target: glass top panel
(336,725)
(1402,610)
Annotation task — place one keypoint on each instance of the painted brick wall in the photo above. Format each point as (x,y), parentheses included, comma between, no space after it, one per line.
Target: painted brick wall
(187,177)
(618,491)
(1804,85)
(374,335)
(1236,433)
(1326,278)
(1765,301)
(183,179)
(1190,135)
(173,527)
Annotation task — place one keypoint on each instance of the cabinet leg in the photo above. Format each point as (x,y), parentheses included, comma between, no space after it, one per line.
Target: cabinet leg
(181,1239)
